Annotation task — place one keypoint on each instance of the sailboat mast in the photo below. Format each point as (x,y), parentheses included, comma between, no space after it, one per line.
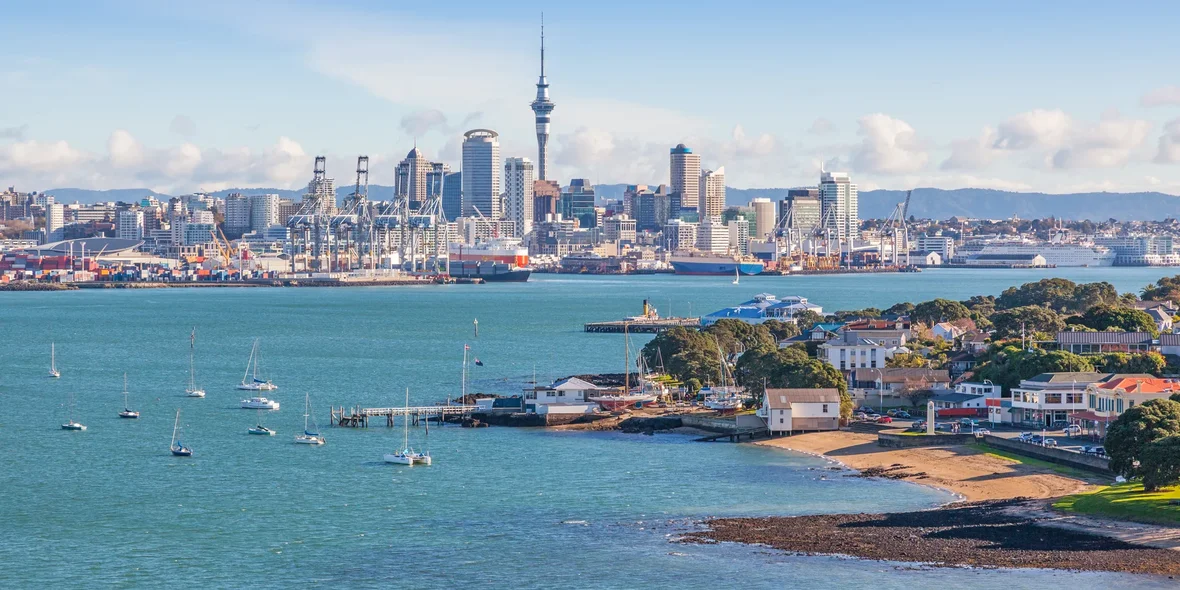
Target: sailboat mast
(192,350)
(626,360)
(124,389)
(174,427)
(406,422)
(52,356)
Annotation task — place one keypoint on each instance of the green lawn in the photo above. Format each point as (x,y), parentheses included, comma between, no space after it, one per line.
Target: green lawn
(1127,501)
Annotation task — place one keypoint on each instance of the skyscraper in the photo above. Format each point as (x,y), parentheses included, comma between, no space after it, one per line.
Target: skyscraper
(518,193)
(839,203)
(577,202)
(542,106)
(546,200)
(237,214)
(685,176)
(55,220)
(452,195)
(481,174)
(765,218)
(264,211)
(712,193)
(410,180)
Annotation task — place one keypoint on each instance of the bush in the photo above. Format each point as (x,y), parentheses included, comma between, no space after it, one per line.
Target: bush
(1129,436)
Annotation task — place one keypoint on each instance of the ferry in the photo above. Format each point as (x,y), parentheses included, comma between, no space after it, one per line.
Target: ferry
(493,259)
(1056,254)
(705,263)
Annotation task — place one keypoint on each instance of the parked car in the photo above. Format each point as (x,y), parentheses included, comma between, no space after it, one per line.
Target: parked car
(884,420)
(860,416)
(872,417)
(1073,430)
(902,414)
(1095,450)
(968,422)
(981,431)
(919,426)
(1059,425)
(1048,442)
(1025,437)
(866,410)
(943,426)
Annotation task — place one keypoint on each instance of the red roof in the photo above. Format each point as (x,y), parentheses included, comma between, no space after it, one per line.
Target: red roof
(1142,385)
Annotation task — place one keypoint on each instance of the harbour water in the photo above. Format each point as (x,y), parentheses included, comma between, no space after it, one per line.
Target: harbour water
(501,507)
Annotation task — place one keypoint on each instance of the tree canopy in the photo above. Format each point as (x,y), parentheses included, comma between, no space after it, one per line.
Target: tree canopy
(736,336)
(1061,295)
(1010,365)
(1167,288)
(1152,363)
(781,330)
(790,367)
(939,310)
(1032,318)
(686,354)
(1130,434)
(1126,319)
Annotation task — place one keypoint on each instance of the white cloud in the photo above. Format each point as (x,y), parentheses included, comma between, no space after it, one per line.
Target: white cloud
(1169,146)
(1165,95)
(973,154)
(1036,127)
(128,163)
(1105,145)
(890,146)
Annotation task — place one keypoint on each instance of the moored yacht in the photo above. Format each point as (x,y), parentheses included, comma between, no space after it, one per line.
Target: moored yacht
(250,380)
(260,403)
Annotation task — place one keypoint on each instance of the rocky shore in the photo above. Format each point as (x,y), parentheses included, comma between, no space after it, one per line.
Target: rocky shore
(995,533)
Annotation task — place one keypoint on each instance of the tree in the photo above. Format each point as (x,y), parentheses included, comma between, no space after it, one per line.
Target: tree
(898,309)
(1167,288)
(917,396)
(736,336)
(685,353)
(868,312)
(781,330)
(1160,463)
(1061,295)
(907,359)
(1129,435)
(1175,397)
(1029,318)
(939,310)
(806,319)
(1011,365)
(1108,317)
(1091,295)
(982,305)
(1152,363)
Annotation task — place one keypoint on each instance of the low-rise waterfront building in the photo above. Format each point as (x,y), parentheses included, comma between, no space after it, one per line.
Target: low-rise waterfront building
(1106,401)
(801,410)
(890,387)
(1099,342)
(763,307)
(567,396)
(1050,398)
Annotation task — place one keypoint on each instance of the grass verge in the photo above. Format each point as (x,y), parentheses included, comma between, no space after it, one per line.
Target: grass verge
(1127,501)
(1032,462)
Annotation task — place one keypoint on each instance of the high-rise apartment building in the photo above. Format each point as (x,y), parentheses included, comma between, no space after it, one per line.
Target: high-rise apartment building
(739,235)
(481,174)
(838,199)
(410,179)
(685,175)
(713,236)
(264,211)
(518,193)
(55,220)
(452,195)
(765,219)
(712,192)
(129,224)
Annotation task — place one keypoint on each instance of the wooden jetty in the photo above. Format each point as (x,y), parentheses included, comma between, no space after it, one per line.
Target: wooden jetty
(358,417)
(645,326)
(736,436)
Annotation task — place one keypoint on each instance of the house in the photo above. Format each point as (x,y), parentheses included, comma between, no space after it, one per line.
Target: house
(850,350)
(886,388)
(822,331)
(1170,344)
(1050,398)
(1106,401)
(1162,319)
(898,323)
(946,331)
(566,396)
(961,363)
(1167,305)
(801,410)
(954,400)
(1098,342)
(975,342)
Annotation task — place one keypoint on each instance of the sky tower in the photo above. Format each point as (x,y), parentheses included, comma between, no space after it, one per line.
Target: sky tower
(542,106)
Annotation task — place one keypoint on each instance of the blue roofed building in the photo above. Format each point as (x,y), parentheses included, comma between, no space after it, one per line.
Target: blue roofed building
(764,306)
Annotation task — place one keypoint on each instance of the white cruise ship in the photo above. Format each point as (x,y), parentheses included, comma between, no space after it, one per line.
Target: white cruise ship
(1054,253)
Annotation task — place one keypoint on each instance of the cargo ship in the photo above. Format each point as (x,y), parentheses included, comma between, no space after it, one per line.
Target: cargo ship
(704,263)
(495,259)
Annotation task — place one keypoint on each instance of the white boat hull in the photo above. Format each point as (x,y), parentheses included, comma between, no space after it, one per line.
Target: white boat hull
(399,459)
(309,440)
(261,431)
(264,404)
(258,387)
(195,393)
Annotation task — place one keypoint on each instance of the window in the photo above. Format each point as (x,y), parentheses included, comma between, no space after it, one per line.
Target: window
(550,393)
(780,420)
(825,409)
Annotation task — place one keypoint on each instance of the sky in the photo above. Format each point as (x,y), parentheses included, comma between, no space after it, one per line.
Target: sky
(178,97)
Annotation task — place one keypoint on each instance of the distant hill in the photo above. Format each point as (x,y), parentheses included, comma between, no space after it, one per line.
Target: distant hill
(930,203)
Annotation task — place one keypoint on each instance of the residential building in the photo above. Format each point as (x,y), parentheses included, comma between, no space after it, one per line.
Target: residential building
(481,174)
(765,219)
(1099,342)
(195,234)
(712,192)
(264,211)
(679,235)
(1162,319)
(518,193)
(1049,398)
(55,221)
(840,204)
(712,236)
(129,224)
(802,210)
(685,174)
(1106,401)
(946,331)
(201,216)
(1170,344)
(856,349)
(569,395)
(619,228)
(888,387)
(238,210)
(801,410)
(739,236)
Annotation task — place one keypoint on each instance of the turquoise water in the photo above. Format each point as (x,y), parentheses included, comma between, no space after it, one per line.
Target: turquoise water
(500,508)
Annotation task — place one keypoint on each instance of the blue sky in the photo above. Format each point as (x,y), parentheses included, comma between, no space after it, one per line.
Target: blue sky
(1047,96)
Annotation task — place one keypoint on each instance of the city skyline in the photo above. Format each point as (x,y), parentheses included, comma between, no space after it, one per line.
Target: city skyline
(947,107)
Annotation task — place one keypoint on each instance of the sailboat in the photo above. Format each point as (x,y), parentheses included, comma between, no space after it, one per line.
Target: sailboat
(737,274)
(259,428)
(250,380)
(407,456)
(193,390)
(71,425)
(617,400)
(127,411)
(177,448)
(53,372)
(723,398)
(311,435)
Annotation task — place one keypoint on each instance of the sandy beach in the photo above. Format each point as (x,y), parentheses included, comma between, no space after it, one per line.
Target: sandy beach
(971,473)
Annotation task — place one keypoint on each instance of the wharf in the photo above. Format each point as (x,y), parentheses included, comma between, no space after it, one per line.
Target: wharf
(646,326)
(357,417)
